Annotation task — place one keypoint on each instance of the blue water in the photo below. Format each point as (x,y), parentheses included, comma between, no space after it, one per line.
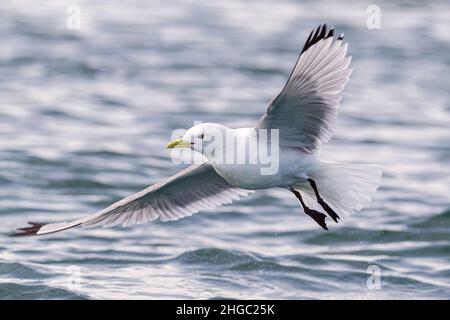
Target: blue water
(85,115)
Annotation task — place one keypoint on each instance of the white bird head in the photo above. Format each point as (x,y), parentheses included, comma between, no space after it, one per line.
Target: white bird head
(205,138)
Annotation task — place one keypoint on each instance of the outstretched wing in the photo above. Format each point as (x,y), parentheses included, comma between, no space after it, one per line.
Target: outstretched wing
(305,110)
(196,188)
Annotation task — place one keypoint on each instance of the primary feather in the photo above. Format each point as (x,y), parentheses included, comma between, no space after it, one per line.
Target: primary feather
(306,108)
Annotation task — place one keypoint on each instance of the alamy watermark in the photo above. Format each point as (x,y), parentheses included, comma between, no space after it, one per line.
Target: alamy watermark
(74,19)
(259,147)
(374,280)
(74,278)
(373,21)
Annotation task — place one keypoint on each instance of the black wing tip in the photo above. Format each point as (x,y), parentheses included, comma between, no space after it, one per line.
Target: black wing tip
(32,230)
(322,32)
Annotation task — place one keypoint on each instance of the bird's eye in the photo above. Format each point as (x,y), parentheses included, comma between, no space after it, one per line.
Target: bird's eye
(202,136)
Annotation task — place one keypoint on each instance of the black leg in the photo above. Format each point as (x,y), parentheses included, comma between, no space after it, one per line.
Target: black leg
(318,217)
(322,203)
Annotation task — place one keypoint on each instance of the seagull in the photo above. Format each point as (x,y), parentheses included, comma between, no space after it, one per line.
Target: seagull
(304,113)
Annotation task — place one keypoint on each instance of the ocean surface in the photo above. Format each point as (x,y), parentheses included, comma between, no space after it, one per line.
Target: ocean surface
(85,115)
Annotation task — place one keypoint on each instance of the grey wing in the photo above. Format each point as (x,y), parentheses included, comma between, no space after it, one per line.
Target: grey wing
(187,192)
(305,110)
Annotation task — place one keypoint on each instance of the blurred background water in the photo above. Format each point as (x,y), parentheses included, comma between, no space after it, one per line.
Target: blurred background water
(85,115)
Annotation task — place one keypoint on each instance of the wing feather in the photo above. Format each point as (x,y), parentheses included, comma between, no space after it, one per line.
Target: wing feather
(196,188)
(305,110)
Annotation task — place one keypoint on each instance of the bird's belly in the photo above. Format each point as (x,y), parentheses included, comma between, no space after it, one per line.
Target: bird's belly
(249,176)
(293,167)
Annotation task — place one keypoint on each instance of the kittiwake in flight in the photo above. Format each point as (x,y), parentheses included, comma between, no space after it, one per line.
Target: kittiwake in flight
(304,113)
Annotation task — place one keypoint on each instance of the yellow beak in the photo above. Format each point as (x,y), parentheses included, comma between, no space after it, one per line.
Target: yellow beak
(178,143)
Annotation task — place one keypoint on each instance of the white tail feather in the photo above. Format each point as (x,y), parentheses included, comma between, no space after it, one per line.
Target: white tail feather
(345,187)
